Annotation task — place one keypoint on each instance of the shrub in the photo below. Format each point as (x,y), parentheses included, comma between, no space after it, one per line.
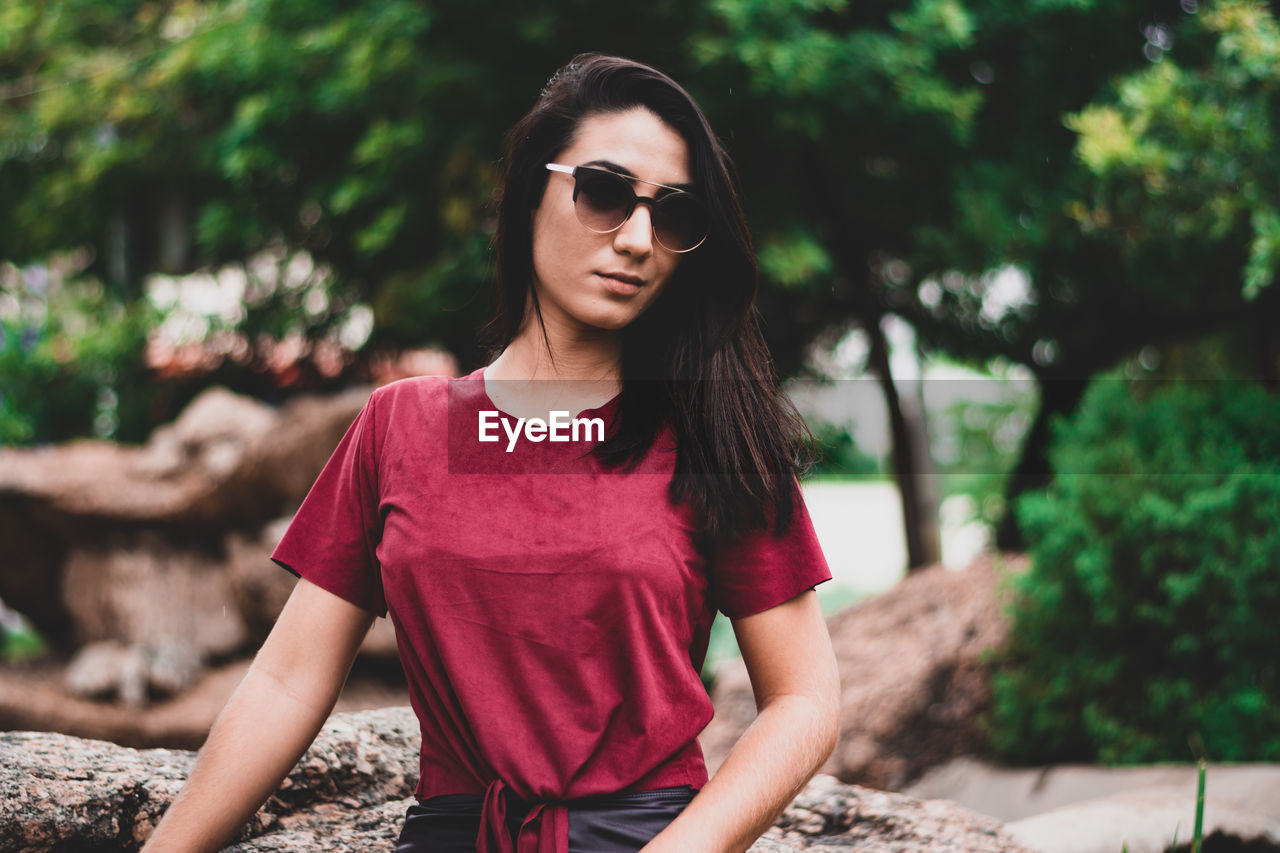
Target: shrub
(75,368)
(1149,612)
(836,453)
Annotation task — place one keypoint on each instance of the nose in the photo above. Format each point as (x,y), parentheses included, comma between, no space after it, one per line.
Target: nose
(635,237)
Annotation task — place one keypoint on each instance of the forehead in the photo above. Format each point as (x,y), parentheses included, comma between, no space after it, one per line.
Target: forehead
(635,139)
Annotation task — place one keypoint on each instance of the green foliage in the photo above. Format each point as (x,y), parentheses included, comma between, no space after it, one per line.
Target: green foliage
(365,134)
(887,151)
(1190,153)
(1148,613)
(71,364)
(983,438)
(20,643)
(837,453)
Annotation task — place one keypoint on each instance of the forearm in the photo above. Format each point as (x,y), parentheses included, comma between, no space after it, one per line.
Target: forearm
(268,722)
(254,743)
(789,740)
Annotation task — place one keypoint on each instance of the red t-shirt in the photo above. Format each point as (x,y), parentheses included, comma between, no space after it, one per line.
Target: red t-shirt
(552,614)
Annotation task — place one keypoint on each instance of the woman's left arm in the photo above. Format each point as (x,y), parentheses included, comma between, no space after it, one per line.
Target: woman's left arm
(797,688)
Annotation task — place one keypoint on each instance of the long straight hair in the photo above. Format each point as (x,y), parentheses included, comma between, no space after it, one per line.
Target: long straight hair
(696,360)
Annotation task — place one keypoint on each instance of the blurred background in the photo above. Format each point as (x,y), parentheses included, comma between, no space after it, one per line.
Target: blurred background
(1018,264)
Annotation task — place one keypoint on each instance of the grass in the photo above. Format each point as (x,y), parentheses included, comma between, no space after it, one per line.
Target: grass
(1197,833)
(1199,827)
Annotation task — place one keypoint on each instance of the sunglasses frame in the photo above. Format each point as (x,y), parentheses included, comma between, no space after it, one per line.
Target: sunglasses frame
(636,200)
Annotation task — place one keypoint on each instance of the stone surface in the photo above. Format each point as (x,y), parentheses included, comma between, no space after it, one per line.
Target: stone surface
(350,790)
(63,793)
(913,679)
(1241,802)
(831,816)
(227,458)
(111,669)
(152,560)
(1075,808)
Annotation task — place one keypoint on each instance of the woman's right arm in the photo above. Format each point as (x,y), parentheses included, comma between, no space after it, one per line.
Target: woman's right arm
(269,721)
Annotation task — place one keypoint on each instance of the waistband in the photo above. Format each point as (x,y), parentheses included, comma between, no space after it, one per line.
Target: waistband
(543,827)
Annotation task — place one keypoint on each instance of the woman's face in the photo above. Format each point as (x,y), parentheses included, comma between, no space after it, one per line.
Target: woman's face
(589,281)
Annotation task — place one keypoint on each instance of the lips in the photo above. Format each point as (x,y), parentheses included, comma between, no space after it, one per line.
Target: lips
(624,277)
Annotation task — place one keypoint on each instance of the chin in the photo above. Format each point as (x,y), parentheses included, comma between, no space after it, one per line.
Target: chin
(609,323)
(608,317)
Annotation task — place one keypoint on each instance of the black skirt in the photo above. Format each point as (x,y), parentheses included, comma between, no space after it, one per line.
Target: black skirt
(620,823)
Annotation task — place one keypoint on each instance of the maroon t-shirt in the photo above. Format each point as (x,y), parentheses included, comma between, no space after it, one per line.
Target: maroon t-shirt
(552,614)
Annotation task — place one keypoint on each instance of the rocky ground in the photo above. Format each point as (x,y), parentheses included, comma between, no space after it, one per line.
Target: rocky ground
(349,793)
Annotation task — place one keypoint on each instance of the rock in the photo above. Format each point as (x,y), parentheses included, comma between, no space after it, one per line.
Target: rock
(151,611)
(164,547)
(1074,808)
(131,673)
(60,792)
(351,788)
(214,432)
(914,681)
(227,460)
(110,669)
(1241,802)
(831,816)
(257,587)
(145,587)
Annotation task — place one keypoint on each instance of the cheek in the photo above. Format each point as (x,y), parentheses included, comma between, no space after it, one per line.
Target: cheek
(556,240)
(545,252)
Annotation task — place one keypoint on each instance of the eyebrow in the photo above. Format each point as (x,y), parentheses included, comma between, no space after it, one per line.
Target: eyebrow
(627,173)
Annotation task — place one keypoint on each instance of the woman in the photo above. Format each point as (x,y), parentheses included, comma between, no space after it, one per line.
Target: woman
(552,598)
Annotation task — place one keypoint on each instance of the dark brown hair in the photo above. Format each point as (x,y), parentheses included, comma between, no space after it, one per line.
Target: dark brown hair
(696,358)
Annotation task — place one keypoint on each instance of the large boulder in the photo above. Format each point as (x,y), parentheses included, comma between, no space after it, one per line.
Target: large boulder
(914,679)
(151,560)
(62,793)
(228,459)
(350,791)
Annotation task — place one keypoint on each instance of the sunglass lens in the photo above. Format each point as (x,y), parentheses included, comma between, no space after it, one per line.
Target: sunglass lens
(602,200)
(680,222)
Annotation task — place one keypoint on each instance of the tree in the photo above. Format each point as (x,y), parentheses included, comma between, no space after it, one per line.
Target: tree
(169,138)
(893,155)
(897,154)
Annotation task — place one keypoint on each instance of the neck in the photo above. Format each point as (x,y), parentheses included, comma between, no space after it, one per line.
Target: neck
(590,356)
(573,372)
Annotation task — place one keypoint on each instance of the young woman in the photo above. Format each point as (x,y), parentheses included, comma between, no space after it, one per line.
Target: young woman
(552,588)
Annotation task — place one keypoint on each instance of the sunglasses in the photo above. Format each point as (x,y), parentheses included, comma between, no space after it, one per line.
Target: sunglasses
(604,200)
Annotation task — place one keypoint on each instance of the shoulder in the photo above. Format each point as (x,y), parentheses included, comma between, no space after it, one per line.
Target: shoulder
(413,404)
(413,388)
(422,393)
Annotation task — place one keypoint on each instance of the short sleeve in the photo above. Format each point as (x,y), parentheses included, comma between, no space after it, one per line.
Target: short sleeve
(759,569)
(333,539)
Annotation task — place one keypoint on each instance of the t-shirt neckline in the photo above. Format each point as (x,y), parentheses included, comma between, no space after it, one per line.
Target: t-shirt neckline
(607,407)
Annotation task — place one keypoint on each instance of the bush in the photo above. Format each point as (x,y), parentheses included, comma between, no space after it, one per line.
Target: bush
(75,368)
(836,453)
(1148,614)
